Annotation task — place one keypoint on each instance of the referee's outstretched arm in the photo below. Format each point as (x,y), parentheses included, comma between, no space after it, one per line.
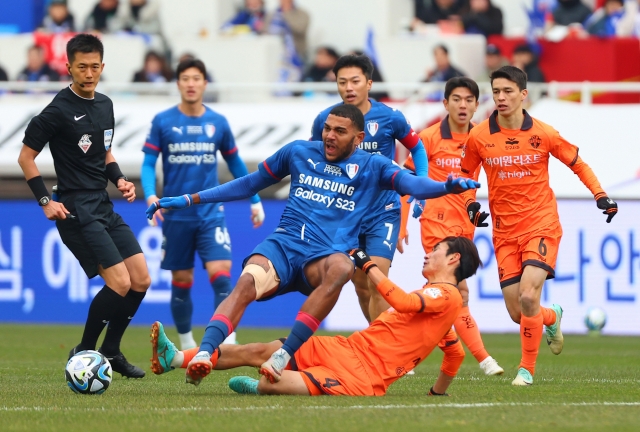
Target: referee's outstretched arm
(52,210)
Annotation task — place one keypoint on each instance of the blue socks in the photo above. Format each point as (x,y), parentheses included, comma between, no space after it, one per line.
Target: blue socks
(302,330)
(181,306)
(221,284)
(217,331)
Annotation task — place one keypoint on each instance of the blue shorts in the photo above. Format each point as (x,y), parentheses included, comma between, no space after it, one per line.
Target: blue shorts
(289,255)
(379,234)
(181,239)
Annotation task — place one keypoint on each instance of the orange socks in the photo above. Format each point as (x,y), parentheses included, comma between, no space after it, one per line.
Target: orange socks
(468,331)
(530,337)
(548,316)
(191,353)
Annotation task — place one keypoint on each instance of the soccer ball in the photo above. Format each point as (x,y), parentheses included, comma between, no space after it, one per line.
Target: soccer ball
(595,319)
(88,372)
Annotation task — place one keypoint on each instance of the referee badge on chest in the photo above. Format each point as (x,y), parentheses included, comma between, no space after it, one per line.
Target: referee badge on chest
(108,134)
(85,142)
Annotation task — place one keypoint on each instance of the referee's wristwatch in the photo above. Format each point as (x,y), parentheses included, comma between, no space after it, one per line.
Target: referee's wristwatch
(44,201)
(123,177)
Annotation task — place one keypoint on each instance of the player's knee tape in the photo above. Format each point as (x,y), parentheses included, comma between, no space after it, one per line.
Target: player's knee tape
(265,282)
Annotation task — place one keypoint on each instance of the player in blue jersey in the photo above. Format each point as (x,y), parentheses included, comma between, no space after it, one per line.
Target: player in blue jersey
(189,135)
(383,126)
(333,186)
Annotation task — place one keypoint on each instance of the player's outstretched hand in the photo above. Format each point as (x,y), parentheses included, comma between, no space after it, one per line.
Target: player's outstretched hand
(257,214)
(157,216)
(418,207)
(174,203)
(362,260)
(460,184)
(609,206)
(476,216)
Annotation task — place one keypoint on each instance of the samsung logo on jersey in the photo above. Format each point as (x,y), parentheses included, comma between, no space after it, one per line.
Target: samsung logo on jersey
(326,184)
(192,147)
(369,145)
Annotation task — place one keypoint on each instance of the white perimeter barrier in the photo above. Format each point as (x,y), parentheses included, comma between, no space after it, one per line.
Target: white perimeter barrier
(261,128)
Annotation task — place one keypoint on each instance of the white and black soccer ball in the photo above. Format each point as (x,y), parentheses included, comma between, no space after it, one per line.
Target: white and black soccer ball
(88,372)
(595,319)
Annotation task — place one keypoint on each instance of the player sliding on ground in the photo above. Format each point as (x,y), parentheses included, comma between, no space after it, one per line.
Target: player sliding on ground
(333,185)
(446,216)
(514,150)
(369,361)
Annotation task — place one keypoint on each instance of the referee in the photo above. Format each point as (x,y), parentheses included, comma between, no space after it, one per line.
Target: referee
(78,125)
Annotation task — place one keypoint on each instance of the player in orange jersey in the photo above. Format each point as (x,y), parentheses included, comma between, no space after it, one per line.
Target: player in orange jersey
(446,216)
(369,361)
(514,150)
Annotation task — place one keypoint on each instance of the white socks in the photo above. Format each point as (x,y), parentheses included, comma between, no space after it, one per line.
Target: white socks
(231,339)
(187,341)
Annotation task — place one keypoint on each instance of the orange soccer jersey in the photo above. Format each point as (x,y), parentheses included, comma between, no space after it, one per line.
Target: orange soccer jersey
(401,338)
(516,163)
(368,362)
(447,215)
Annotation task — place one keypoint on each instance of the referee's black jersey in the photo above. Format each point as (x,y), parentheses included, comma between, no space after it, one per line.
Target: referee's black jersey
(79,132)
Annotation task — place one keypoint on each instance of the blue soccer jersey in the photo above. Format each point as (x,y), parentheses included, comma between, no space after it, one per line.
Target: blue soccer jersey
(383,126)
(328,201)
(189,147)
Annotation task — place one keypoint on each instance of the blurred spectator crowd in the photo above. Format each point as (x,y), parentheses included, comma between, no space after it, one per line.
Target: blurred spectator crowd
(604,18)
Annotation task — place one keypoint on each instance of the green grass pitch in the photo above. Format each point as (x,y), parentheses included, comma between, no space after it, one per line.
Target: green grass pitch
(593,385)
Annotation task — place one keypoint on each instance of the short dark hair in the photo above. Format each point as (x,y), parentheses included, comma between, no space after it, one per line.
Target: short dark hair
(469,258)
(84,43)
(442,47)
(360,61)
(511,73)
(457,82)
(352,113)
(191,63)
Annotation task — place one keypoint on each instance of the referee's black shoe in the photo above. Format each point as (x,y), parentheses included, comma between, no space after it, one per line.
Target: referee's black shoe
(120,364)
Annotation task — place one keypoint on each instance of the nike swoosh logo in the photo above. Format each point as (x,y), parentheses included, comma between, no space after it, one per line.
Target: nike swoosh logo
(78,118)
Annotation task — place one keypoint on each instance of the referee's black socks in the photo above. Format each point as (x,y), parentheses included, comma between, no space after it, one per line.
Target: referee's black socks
(103,308)
(120,321)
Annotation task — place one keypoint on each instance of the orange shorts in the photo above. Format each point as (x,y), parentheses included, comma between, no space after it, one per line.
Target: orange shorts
(537,248)
(329,366)
(432,232)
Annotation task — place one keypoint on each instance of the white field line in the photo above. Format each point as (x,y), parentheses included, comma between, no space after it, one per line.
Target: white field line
(322,407)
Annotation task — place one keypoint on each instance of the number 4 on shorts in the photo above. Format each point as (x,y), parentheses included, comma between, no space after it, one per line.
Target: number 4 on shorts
(329,382)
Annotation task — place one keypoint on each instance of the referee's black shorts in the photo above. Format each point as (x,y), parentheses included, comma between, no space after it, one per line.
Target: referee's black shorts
(98,235)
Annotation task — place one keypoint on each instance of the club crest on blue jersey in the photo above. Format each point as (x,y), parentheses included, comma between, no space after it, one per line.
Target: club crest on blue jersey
(209,129)
(372,127)
(352,170)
